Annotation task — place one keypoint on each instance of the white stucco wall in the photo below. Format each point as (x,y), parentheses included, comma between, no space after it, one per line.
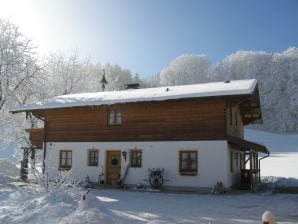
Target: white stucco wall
(213,161)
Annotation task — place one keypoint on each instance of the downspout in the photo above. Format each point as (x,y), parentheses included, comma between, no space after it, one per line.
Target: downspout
(267,155)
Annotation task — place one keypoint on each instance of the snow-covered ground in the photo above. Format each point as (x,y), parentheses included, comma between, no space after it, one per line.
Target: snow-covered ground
(29,204)
(10,152)
(117,206)
(283,160)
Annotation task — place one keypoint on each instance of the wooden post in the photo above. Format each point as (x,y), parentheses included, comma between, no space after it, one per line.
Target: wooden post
(250,169)
(45,127)
(24,165)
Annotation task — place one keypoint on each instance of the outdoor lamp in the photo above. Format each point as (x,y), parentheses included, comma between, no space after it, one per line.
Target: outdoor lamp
(124,154)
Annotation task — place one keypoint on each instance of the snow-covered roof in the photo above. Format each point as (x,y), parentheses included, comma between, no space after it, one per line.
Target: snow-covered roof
(237,87)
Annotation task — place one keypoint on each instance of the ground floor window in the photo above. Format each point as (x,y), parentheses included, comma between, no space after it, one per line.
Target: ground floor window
(188,162)
(242,161)
(93,157)
(65,159)
(234,159)
(135,158)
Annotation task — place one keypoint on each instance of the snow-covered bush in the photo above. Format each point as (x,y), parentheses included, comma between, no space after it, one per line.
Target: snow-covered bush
(53,178)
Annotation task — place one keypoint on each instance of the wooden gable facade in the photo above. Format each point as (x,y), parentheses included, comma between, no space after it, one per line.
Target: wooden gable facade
(212,118)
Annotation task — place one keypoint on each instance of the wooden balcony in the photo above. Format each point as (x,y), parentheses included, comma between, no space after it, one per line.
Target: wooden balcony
(36,137)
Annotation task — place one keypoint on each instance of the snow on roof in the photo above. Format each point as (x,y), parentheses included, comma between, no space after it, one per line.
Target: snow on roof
(237,87)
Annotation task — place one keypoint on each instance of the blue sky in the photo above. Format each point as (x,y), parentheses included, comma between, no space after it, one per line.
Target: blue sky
(145,36)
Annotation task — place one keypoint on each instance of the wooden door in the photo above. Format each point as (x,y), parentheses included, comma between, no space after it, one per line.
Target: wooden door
(113,166)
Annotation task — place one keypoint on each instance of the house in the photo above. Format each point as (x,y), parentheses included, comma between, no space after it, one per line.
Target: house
(193,133)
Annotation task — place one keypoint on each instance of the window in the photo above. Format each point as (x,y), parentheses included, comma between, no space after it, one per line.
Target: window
(135,158)
(188,162)
(65,160)
(231,116)
(115,117)
(242,161)
(231,162)
(93,157)
(234,160)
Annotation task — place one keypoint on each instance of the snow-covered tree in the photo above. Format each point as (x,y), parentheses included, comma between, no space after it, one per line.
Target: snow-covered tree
(117,77)
(137,79)
(19,68)
(187,69)
(244,65)
(18,63)
(65,75)
(154,81)
(277,75)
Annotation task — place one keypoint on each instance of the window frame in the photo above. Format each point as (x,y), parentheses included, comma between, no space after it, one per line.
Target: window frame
(189,171)
(66,166)
(242,161)
(231,161)
(234,161)
(93,162)
(138,162)
(230,116)
(116,118)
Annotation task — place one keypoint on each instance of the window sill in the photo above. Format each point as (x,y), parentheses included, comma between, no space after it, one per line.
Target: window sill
(188,173)
(115,125)
(135,166)
(64,169)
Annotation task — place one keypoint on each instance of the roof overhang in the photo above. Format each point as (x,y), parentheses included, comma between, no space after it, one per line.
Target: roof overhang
(194,91)
(244,145)
(250,109)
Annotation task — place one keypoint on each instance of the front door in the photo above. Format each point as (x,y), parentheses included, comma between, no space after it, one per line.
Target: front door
(113,166)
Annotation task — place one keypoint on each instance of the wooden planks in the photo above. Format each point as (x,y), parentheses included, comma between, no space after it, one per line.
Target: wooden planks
(151,121)
(36,137)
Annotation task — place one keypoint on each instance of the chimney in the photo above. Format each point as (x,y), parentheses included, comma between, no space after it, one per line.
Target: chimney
(132,86)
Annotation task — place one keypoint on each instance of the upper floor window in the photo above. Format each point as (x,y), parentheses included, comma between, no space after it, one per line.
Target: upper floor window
(231,116)
(115,117)
(65,159)
(188,162)
(93,157)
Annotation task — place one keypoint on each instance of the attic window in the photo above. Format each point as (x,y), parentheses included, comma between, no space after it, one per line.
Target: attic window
(115,117)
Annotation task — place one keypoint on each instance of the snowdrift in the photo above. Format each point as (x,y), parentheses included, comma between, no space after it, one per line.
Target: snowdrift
(8,168)
(8,172)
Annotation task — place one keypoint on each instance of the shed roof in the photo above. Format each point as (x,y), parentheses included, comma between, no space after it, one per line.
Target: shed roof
(245,145)
(237,87)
